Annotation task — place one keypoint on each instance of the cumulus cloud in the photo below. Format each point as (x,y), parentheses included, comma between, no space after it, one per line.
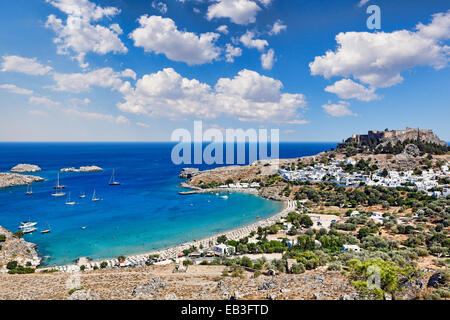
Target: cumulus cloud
(267,59)
(348,89)
(79,82)
(277,27)
(338,109)
(378,59)
(97,116)
(24,65)
(15,89)
(248,96)
(232,52)
(248,40)
(79,34)
(240,12)
(160,35)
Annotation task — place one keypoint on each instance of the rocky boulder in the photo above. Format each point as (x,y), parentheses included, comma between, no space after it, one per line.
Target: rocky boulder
(148,289)
(15,179)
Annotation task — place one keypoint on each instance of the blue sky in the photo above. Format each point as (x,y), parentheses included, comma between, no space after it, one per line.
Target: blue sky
(136,70)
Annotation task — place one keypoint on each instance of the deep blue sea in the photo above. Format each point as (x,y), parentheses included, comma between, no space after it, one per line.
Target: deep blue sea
(142,214)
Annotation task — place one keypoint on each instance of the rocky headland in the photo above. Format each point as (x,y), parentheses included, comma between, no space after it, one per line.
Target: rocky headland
(15,179)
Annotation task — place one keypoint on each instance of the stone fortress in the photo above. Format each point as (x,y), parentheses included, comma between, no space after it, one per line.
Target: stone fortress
(394,136)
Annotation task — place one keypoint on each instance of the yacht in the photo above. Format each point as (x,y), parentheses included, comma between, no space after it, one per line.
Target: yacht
(82,195)
(28,224)
(94,197)
(46,230)
(58,192)
(68,202)
(112,181)
(29,230)
(29,189)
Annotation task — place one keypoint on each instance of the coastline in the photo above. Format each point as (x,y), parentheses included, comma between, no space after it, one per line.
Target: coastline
(173,252)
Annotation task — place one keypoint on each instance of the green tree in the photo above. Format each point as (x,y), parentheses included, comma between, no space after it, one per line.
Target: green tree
(222,239)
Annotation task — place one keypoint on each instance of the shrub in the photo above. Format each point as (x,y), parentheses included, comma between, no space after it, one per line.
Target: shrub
(11,265)
(297,268)
(83,267)
(103,265)
(2,238)
(18,234)
(121,258)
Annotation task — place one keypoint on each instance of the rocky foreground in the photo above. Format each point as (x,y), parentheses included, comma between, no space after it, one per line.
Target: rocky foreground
(160,283)
(15,249)
(15,179)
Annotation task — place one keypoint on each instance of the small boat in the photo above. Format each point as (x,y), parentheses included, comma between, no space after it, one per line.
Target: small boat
(29,230)
(58,193)
(29,189)
(112,180)
(46,230)
(25,225)
(224,197)
(68,202)
(82,195)
(94,197)
(83,228)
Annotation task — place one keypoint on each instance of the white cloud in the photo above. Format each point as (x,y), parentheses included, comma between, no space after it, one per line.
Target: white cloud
(232,52)
(438,29)
(15,89)
(78,33)
(105,78)
(267,59)
(348,89)
(160,6)
(160,35)
(44,101)
(248,40)
(277,27)
(362,2)
(223,29)
(248,96)
(240,12)
(266,3)
(143,124)
(24,65)
(97,116)
(338,110)
(377,59)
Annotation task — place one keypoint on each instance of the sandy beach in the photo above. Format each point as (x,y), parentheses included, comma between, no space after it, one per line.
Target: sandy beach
(173,252)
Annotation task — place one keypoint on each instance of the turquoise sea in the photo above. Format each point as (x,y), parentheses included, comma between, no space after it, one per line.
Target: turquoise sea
(142,214)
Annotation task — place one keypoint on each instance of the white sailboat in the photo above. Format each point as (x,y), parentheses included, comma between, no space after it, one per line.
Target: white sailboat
(48,230)
(112,180)
(82,195)
(29,189)
(58,192)
(68,202)
(94,197)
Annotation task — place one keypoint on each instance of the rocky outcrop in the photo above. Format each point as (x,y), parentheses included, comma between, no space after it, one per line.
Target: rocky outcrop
(25,168)
(148,289)
(15,249)
(188,173)
(15,179)
(82,169)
